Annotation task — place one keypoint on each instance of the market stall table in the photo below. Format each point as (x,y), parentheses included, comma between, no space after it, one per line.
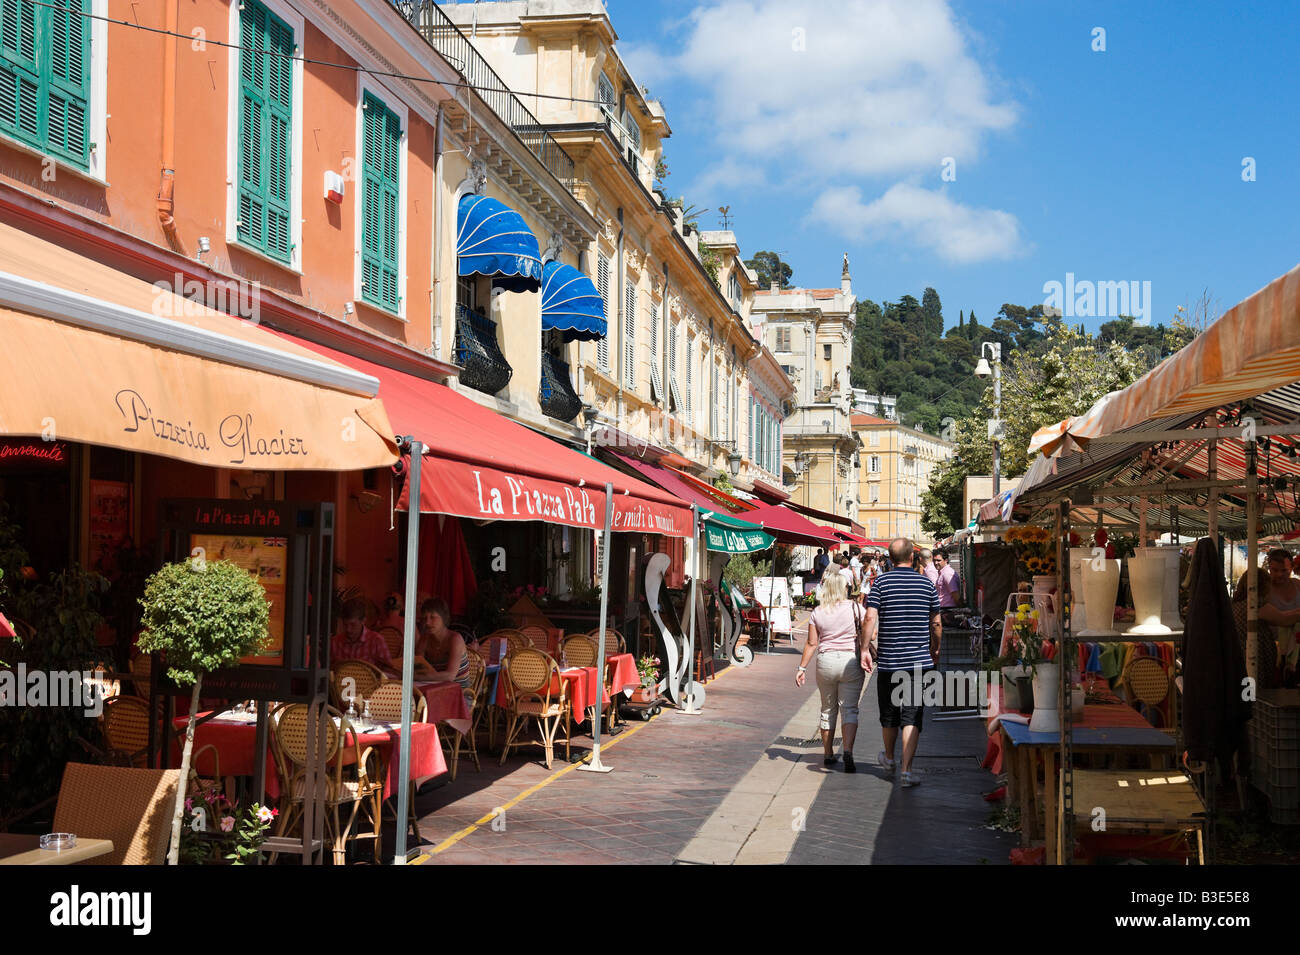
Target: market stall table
(26,850)
(1142,801)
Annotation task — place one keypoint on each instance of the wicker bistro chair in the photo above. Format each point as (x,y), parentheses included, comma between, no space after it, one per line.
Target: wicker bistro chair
(394,639)
(580,651)
(536,693)
(141,675)
(1148,681)
(132,807)
(536,636)
(126,731)
(614,642)
(386,704)
(515,639)
(365,678)
(354,785)
(478,692)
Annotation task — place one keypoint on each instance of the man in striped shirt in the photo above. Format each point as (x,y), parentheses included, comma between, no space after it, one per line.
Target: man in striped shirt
(904,629)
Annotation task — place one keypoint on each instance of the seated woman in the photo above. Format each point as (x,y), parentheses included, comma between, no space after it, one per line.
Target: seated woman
(357,641)
(443,648)
(1279,615)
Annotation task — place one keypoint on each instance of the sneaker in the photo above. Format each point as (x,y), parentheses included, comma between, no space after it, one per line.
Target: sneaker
(849,766)
(910,780)
(885,762)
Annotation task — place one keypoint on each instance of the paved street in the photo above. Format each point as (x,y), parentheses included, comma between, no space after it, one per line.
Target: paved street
(739,784)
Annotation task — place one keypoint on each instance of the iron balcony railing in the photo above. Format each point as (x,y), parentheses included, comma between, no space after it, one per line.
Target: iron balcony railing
(444,36)
(629,146)
(484,367)
(556,394)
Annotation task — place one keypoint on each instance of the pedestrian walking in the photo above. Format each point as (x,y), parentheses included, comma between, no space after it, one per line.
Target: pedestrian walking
(835,636)
(819,565)
(903,631)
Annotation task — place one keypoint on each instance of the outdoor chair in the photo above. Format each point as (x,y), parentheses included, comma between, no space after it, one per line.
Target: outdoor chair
(536,636)
(394,639)
(536,693)
(104,685)
(386,704)
(614,642)
(126,731)
(365,678)
(141,675)
(478,690)
(580,651)
(132,807)
(515,639)
(351,786)
(1148,682)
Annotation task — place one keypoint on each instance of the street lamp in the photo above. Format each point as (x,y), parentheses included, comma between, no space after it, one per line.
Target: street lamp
(733,462)
(982,370)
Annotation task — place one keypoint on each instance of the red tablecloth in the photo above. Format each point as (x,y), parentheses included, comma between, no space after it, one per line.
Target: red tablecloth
(235,743)
(623,675)
(445,703)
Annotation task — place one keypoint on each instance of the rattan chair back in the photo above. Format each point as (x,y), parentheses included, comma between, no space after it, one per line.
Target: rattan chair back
(531,671)
(126,730)
(291,735)
(1148,680)
(579,651)
(535,635)
(515,639)
(613,639)
(132,807)
(394,639)
(141,674)
(365,678)
(386,703)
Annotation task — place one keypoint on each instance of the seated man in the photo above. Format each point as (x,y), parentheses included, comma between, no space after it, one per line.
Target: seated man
(357,641)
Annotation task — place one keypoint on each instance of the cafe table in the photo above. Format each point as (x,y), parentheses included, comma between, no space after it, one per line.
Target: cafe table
(622,674)
(26,850)
(1107,729)
(583,686)
(445,703)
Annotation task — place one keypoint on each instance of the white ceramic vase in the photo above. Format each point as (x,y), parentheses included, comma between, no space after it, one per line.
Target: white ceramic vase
(1047,699)
(1100,588)
(1169,602)
(1146,577)
(1078,605)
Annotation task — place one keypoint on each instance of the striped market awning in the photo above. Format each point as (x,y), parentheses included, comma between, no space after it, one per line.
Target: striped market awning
(1253,348)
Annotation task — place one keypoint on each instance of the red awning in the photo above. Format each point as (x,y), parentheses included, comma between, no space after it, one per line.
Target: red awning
(683,486)
(823,516)
(766,492)
(792,528)
(853,539)
(484,466)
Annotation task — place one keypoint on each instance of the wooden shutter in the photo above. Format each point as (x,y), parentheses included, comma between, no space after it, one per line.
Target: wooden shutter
(265,131)
(602,282)
(45,76)
(381,204)
(656,386)
(629,337)
(690,381)
(69,81)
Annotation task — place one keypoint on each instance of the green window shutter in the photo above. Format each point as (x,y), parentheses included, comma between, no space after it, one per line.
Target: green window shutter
(265,131)
(381,151)
(45,77)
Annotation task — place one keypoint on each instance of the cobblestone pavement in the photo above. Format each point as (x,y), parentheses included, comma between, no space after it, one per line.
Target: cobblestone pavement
(739,783)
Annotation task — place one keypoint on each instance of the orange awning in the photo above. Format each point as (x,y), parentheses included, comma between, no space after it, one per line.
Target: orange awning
(95,356)
(1251,349)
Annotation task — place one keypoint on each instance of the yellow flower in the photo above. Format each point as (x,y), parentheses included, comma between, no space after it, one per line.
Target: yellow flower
(1034,614)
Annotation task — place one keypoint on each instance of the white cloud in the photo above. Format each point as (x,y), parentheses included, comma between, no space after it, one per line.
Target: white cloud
(927,218)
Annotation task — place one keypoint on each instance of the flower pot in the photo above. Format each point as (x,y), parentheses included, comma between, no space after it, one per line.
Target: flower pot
(1078,604)
(1044,584)
(1047,702)
(1100,588)
(1017,692)
(644,694)
(1146,576)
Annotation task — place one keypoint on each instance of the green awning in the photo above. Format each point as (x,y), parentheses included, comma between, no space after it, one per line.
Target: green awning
(725,533)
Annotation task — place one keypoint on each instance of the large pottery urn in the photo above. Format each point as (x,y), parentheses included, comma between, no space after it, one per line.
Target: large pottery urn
(1047,699)
(1078,605)
(1173,566)
(1146,576)
(1100,588)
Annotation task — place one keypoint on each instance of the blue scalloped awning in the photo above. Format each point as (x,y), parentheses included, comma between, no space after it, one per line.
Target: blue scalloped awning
(493,240)
(571,303)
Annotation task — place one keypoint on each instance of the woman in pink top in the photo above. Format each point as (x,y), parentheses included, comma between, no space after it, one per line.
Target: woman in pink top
(834,635)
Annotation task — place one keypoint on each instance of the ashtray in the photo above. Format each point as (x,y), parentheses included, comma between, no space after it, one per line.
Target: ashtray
(55,841)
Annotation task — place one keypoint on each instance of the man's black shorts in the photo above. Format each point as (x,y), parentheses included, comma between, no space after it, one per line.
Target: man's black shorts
(900,695)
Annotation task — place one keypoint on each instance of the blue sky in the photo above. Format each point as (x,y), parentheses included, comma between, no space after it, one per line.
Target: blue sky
(825,126)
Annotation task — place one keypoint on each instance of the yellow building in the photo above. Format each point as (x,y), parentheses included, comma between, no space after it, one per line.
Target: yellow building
(896,467)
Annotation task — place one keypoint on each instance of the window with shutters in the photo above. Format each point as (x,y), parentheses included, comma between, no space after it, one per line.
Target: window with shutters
(602,283)
(381,204)
(265,105)
(690,381)
(629,337)
(783,339)
(678,405)
(656,385)
(45,77)
(605,91)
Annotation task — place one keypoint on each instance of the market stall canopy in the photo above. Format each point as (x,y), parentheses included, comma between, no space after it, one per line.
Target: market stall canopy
(493,240)
(96,356)
(482,465)
(571,304)
(681,485)
(792,528)
(727,534)
(1251,349)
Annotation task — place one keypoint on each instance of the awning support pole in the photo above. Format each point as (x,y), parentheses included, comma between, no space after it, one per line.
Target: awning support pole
(1252,562)
(595,765)
(691,704)
(416,449)
(1212,456)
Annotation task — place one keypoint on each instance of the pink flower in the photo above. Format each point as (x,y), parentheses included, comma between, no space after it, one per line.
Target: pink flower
(227,823)
(265,814)
(189,804)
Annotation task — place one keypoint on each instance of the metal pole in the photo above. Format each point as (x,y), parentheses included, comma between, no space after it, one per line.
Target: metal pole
(692,704)
(408,649)
(596,766)
(1252,563)
(1213,474)
(997,414)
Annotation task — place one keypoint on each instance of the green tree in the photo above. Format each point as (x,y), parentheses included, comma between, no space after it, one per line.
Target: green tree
(203,617)
(770,269)
(933,312)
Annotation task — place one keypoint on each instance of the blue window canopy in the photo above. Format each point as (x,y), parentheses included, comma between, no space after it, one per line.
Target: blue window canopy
(493,240)
(571,304)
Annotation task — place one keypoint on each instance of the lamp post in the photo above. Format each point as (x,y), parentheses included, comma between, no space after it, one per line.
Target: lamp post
(982,370)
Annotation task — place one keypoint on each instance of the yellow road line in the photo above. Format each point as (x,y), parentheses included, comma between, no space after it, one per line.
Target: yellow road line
(474,826)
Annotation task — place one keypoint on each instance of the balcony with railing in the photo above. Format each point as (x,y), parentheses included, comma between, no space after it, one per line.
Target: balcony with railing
(556,394)
(483,366)
(444,36)
(629,146)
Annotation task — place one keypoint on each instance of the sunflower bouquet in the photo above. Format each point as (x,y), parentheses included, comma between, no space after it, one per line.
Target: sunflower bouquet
(1035,549)
(1027,646)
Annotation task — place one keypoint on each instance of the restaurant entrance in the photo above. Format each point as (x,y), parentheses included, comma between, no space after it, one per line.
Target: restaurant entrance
(36,496)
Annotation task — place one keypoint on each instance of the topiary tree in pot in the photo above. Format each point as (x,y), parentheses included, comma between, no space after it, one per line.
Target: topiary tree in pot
(202,617)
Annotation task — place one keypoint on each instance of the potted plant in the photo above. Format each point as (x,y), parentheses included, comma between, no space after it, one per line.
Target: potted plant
(202,616)
(648,667)
(1037,655)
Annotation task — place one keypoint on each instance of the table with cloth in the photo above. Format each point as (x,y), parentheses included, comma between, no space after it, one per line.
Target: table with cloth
(445,703)
(1107,728)
(234,737)
(622,674)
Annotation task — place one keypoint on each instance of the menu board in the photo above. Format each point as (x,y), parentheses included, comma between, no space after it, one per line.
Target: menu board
(774,594)
(267,559)
(110,523)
